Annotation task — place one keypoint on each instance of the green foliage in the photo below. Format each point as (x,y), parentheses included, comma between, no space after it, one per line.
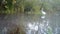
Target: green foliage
(10,6)
(6,6)
(49,31)
(21,5)
(35,6)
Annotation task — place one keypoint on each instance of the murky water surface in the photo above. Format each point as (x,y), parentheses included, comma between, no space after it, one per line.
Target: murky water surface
(32,24)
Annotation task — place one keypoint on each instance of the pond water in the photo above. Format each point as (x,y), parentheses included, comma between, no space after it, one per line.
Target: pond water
(31,23)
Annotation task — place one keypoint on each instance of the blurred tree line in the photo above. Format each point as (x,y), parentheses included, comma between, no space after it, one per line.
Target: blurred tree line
(6,6)
(19,6)
(27,6)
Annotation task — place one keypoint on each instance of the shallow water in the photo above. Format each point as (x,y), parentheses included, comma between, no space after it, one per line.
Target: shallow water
(32,24)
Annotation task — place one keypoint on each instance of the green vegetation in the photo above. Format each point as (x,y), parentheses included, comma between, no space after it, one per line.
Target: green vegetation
(6,6)
(19,6)
(13,6)
(49,31)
